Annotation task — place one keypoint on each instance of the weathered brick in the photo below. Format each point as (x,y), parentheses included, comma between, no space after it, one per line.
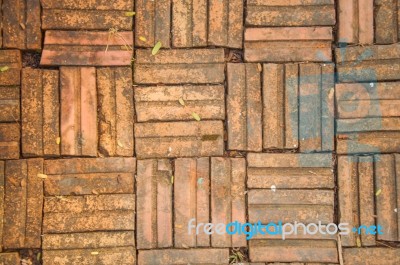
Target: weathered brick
(89,213)
(386,25)
(11,258)
(104,256)
(323,251)
(115,100)
(288,44)
(356,21)
(2,168)
(290,171)
(290,13)
(356,197)
(184,256)
(161,103)
(23,204)
(40,112)
(368,63)
(228,198)
(152,23)
(177,139)
(225,23)
(91,15)
(368,117)
(9,140)
(85,48)
(21,24)
(197,66)
(78,111)
(84,176)
(154,204)
(244,107)
(371,256)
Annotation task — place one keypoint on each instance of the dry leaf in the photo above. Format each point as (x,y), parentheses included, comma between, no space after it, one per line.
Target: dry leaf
(172,179)
(22,25)
(181,101)
(58,140)
(184,246)
(94,253)
(378,192)
(358,242)
(259,67)
(4,68)
(142,38)
(156,48)
(95,192)
(196,116)
(42,176)
(130,14)
(120,144)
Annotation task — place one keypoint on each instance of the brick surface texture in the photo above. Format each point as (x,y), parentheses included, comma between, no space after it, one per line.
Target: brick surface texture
(128,127)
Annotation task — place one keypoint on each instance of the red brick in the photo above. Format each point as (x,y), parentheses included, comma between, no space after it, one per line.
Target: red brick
(177,139)
(356,21)
(105,256)
(154,204)
(21,24)
(323,251)
(197,66)
(23,204)
(152,23)
(78,111)
(290,171)
(2,167)
(378,63)
(115,97)
(287,44)
(9,103)
(9,140)
(82,176)
(40,112)
(290,13)
(228,198)
(244,107)
(371,256)
(85,48)
(98,15)
(161,103)
(386,27)
(211,256)
(11,258)
(89,213)
(11,59)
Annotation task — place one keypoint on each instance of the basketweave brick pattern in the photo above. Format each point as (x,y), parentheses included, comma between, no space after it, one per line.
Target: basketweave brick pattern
(368,117)
(185,24)
(357,19)
(87,15)
(367,185)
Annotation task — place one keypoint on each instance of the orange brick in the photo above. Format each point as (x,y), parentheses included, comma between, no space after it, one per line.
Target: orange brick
(9,140)
(11,59)
(184,256)
(288,44)
(98,15)
(115,100)
(85,48)
(376,256)
(244,107)
(23,204)
(161,103)
(11,258)
(176,139)
(177,66)
(154,204)
(78,111)
(386,25)
(279,13)
(2,167)
(40,112)
(21,24)
(83,176)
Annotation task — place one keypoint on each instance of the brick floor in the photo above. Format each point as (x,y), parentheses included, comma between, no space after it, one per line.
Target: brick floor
(379,256)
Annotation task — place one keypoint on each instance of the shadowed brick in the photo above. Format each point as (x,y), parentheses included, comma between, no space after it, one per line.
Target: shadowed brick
(368,63)
(179,139)
(85,48)
(9,140)
(184,256)
(115,100)
(368,117)
(154,204)
(78,111)
(244,107)
(278,13)
(371,256)
(197,66)
(40,112)
(21,24)
(87,15)
(23,204)
(161,103)
(288,44)
(11,258)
